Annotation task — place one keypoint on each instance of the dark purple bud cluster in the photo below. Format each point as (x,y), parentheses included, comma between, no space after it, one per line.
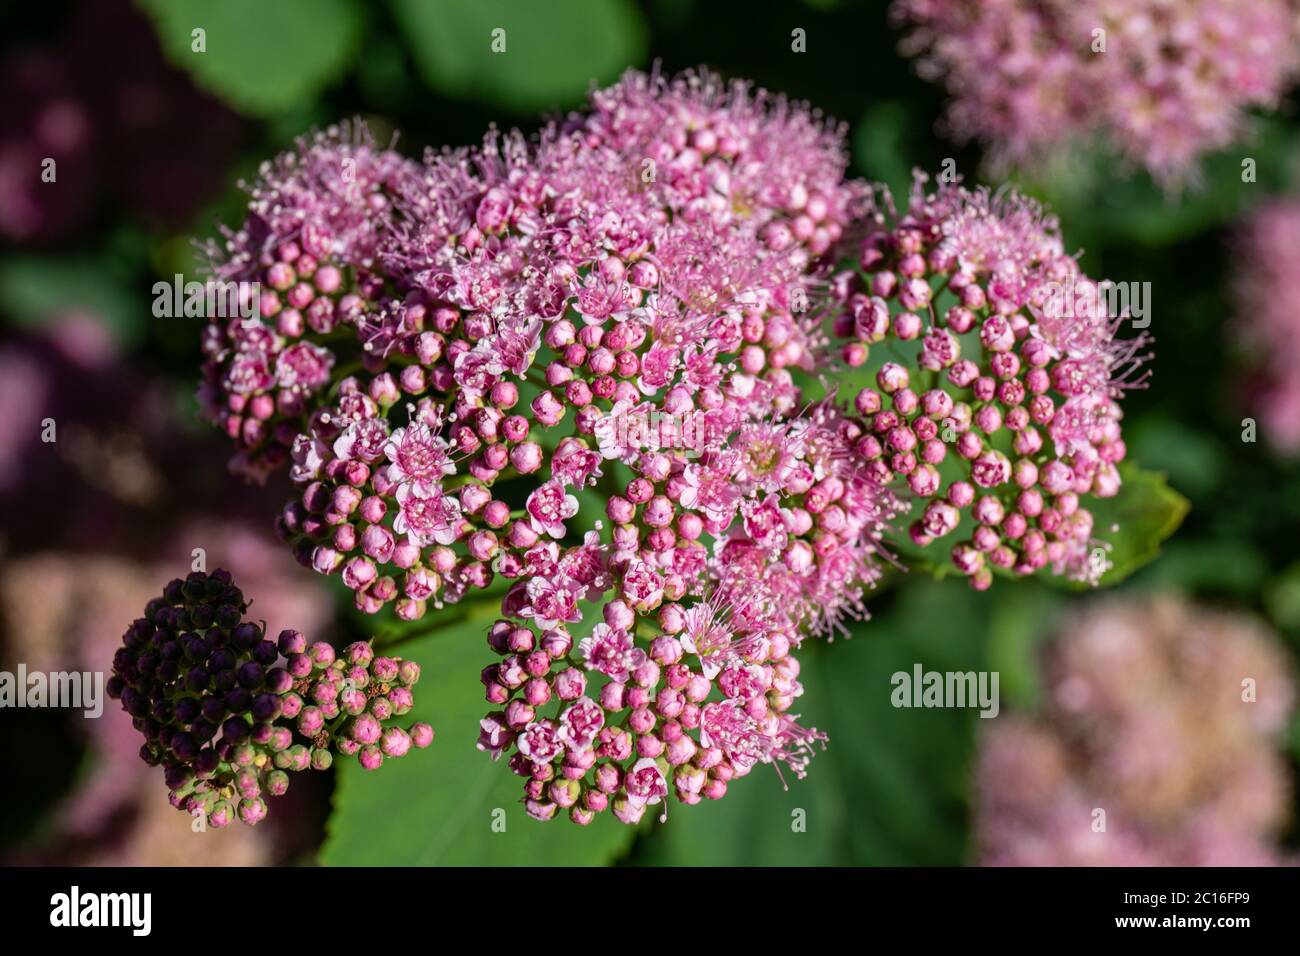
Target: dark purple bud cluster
(229,714)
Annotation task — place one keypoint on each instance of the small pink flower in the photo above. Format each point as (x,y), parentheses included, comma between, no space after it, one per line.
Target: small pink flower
(585,566)
(541,741)
(991,469)
(609,651)
(417,454)
(580,723)
(642,586)
(426,515)
(551,601)
(765,522)
(706,637)
(572,464)
(711,490)
(657,367)
(549,506)
(308,456)
(645,783)
(304,365)
(743,682)
(514,345)
(250,372)
(727,727)
(542,561)
(363,441)
(473,370)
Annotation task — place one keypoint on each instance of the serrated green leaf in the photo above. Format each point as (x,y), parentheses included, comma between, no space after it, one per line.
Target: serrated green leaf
(1134,523)
(261,58)
(436,807)
(552,52)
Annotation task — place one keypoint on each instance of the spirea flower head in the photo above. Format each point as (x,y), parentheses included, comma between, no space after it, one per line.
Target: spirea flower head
(1164,81)
(229,714)
(627,309)
(1268,319)
(1164,715)
(1005,410)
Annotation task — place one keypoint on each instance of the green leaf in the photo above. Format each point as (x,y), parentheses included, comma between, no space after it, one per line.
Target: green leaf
(553,51)
(1134,523)
(672,14)
(435,807)
(261,58)
(890,788)
(761,822)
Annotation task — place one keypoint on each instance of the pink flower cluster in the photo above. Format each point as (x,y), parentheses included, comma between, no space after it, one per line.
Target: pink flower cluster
(1163,715)
(316,219)
(1163,80)
(687,679)
(1005,409)
(1268,321)
(586,366)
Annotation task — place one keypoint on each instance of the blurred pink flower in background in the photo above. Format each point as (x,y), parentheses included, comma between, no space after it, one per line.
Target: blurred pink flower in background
(1268,320)
(1147,717)
(1163,80)
(23,388)
(117,121)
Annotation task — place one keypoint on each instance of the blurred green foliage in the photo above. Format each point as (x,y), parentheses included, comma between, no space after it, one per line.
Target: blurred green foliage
(542,56)
(261,58)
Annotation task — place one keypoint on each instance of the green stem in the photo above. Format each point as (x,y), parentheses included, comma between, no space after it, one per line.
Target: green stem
(465,610)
